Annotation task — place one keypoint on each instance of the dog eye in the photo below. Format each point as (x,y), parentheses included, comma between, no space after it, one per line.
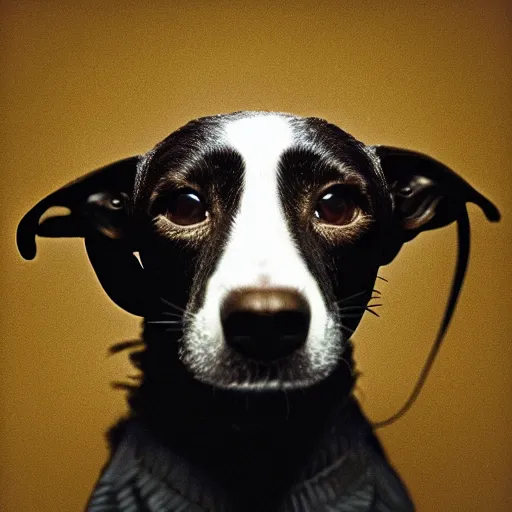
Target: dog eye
(337,206)
(186,208)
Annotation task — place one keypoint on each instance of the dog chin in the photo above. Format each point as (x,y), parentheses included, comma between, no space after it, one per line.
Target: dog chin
(255,385)
(268,386)
(228,370)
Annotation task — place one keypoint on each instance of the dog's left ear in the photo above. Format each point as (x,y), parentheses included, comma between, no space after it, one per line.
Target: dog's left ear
(99,208)
(426,195)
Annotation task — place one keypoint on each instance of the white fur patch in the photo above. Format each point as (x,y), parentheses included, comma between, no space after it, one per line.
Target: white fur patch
(260,252)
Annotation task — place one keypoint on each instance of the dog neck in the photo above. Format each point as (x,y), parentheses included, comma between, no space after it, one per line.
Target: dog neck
(275,439)
(187,446)
(170,399)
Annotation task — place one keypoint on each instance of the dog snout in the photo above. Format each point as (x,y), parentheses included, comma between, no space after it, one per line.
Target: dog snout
(265,324)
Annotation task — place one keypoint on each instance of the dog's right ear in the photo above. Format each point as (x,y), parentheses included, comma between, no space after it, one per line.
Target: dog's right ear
(99,205)
(98,201)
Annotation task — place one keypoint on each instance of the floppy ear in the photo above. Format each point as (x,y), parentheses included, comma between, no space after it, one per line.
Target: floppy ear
(99,211)
(426,194)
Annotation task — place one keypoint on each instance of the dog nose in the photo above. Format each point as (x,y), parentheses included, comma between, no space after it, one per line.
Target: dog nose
(265,324)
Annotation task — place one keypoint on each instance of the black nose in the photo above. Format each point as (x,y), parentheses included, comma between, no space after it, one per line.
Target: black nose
(265,324)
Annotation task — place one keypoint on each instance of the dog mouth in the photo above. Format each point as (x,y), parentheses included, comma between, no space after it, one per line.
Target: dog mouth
(265,361)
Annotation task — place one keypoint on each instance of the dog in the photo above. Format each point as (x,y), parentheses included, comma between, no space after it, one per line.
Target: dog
(250,243)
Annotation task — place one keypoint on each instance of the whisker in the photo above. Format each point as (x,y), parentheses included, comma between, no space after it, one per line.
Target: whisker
(353,296)
(383,279)
(362,306)
(172,305)
(347,364)
(350,308)
(345,328)
(167,313)
(376,291)
(374,305)
(373,312)
(165,322)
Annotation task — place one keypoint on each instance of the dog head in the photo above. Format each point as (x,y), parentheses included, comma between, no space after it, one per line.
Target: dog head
(259,236)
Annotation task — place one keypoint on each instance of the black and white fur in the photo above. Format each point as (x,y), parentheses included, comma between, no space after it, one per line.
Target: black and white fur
(210,428)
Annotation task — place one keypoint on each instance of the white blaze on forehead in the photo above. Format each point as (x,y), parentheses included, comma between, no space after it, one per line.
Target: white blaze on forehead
(260,223)
(260,140)
(260,250)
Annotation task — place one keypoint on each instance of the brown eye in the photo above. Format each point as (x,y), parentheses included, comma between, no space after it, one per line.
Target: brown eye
(336,206)
(186,208)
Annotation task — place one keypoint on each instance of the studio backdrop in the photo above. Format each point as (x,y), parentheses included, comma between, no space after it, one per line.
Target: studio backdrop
(85,83)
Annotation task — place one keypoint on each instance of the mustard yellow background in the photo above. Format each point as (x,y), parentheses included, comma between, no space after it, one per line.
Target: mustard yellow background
(84,83)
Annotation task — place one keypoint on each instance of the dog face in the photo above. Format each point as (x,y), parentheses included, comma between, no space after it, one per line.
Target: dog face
(255,208)
(265,230)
